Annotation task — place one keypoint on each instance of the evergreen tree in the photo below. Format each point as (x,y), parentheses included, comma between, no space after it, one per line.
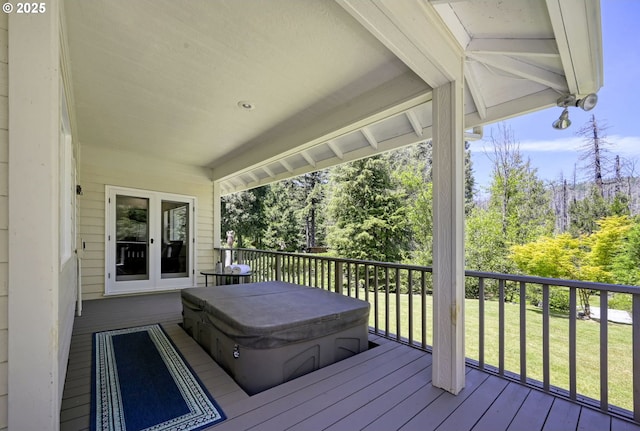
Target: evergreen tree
(283,230)
(469,180)
(312,212)
(367,211)
(584,214)
(243,213)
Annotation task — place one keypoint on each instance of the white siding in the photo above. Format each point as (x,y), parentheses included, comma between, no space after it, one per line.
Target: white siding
(68,283)
(101,167)
(4,220)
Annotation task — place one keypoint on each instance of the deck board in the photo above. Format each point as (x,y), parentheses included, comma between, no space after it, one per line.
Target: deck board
(503,409)
(591,420)
(438,411)
(385,388)
(466,415)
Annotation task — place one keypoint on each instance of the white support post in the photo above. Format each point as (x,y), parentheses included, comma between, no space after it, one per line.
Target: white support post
(34,267)
(448,240)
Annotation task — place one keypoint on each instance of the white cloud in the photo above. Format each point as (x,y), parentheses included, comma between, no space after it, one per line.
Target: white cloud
(626,146)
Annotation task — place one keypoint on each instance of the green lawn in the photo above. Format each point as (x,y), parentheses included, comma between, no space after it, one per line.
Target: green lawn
(588,344)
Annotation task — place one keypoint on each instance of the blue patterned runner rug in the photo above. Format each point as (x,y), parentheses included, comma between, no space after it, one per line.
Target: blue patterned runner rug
(140,382)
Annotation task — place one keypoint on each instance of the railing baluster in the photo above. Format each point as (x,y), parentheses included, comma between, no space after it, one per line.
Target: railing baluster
(356,280)
(572,344)
(545,337)
(288,268)
(410,298)
(315,271)
(366,282)
(398,303)
(523,332)
(386,301)
(375,299)
(348,279)
(481,323)
(501,327)
(635,348)
(604,351)
(338,286)
(423,297)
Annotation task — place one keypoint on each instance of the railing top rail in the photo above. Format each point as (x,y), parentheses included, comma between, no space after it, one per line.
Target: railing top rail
(339,259)
(616,288)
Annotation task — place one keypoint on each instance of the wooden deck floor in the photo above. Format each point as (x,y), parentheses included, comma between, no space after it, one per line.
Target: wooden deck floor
(386,388)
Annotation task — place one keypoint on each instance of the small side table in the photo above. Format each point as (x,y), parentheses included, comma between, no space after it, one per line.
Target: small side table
(223,278)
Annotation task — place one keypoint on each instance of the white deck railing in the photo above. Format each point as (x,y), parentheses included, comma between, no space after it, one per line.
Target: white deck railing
(404,318)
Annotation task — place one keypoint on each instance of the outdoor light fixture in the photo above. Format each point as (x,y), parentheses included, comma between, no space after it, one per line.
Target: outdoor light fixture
(587,103)
(563,122)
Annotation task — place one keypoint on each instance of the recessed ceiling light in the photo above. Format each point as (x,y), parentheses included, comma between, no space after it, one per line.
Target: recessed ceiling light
(246,105)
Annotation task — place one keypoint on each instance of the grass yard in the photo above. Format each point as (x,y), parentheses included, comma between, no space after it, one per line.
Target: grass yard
(588,343)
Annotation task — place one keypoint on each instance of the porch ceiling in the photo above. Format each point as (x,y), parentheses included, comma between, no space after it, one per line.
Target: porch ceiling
(330,81)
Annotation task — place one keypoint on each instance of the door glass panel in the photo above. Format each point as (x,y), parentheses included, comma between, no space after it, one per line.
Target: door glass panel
(132,238)
(175,235)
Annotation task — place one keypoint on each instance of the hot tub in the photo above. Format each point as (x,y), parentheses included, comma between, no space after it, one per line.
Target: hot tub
(265,334)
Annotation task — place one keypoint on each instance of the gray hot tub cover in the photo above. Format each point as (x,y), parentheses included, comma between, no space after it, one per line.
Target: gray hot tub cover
(273,314)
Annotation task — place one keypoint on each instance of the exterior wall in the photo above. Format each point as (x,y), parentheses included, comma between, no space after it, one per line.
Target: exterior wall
(4,220)
(100,167)
(68,282)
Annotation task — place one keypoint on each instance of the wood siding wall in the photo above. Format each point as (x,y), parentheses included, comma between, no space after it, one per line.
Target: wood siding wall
(68,294)
(4,217)
(101,167)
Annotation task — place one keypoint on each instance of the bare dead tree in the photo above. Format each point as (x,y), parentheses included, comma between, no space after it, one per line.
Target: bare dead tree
(506,155)
(565,220)
(618,170)
(594,151)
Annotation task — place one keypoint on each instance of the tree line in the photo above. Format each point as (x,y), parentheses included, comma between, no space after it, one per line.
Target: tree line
(380,208)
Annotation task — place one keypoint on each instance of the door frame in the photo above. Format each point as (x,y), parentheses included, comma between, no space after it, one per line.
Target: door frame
(155,282)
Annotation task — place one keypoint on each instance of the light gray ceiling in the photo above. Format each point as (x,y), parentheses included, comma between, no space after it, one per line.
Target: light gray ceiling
(330,81)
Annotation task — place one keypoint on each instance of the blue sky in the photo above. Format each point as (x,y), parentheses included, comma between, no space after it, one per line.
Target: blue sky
(554,152)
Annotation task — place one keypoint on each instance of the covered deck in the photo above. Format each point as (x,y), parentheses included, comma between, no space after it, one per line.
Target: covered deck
(192,101)
(385,388)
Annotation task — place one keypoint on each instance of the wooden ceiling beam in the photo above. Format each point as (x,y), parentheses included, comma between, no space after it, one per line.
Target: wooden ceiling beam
(415,33)
(475,89)
(336,150)
(514,47)
(268,171)
(578,31)
(415,122)
(286,165)
(523,70)
(369,137)
(310,160)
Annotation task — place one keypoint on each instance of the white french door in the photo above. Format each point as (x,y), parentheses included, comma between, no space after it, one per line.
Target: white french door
(149,241)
